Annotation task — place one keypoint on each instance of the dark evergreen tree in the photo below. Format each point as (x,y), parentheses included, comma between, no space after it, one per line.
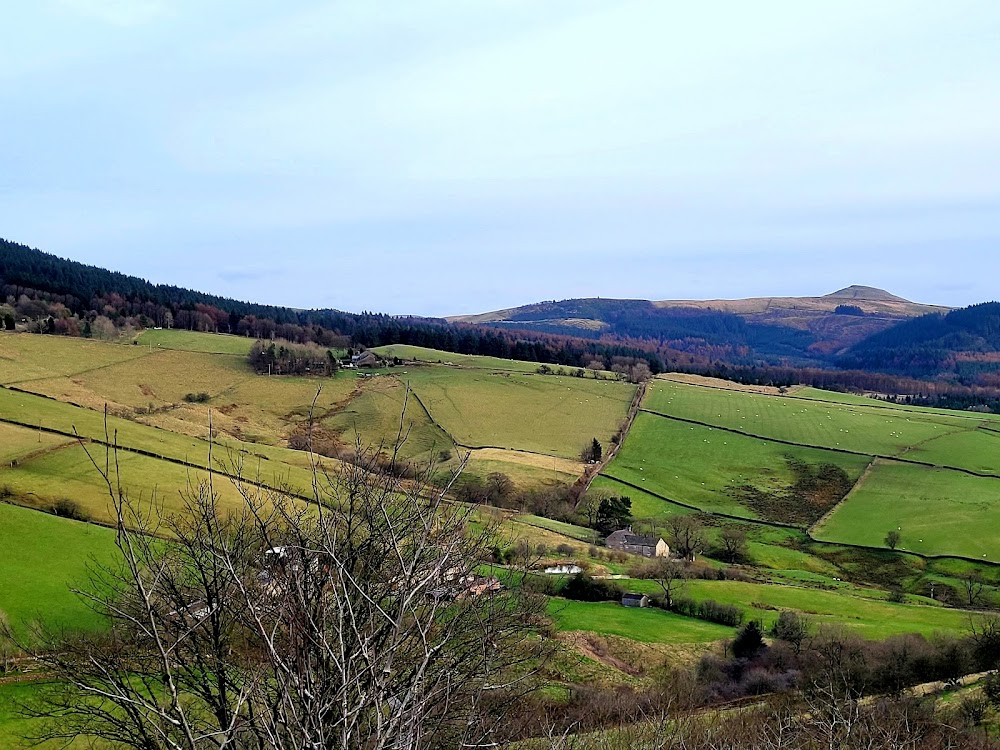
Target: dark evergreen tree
(749,641)
(612,514)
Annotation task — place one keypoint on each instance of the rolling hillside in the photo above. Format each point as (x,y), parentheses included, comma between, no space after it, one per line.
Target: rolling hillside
(805,330)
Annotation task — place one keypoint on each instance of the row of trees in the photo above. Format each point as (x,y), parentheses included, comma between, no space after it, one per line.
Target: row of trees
(285,358)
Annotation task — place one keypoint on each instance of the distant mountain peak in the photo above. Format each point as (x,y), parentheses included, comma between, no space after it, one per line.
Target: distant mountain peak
(868,293)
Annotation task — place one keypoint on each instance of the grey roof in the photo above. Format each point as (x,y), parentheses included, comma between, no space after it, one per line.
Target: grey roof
(627,537)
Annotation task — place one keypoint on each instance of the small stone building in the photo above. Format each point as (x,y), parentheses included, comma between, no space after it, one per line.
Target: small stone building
(637,544)
(635,600)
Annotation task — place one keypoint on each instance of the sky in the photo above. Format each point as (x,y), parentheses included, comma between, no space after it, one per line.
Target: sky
(438,157)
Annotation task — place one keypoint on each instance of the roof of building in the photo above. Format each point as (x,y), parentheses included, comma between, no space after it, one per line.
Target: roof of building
(633,597)
(625,536)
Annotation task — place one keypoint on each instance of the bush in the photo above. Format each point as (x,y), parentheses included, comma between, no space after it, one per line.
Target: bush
(66,508)
(196,398)
(584,588)
(545,585)
(710,610)
(792,628)
(991,689)
(973,709)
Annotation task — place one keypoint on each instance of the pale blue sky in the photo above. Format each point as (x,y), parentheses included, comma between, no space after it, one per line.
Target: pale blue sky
(436,157)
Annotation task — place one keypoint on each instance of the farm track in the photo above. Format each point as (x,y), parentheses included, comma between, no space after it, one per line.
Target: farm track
(41,452)
(845,451)
(589,476)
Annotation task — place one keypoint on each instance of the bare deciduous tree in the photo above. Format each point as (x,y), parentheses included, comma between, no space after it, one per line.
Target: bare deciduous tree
(687,536)
(974,586)
(359,620)
(669,575)
(733,539)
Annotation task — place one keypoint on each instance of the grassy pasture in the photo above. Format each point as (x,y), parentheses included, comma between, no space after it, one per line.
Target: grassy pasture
(259,409)
(375,416)
(436,356)
(156,380)
(68,473)
(274,461)
(526,470)
(25,356)
(938,511)
(42,556)
(193,341)
(16,442)
(644,505)
(974,449)
(645,625)
(807,392)
(870,618)
(551,415)
(580,533)
(828,425)
(696,465)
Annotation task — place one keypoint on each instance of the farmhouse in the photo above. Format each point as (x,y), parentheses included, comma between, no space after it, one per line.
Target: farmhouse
(637,544)
(635,600)
(365,359)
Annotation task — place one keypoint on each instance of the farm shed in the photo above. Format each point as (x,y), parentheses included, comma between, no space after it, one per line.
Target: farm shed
(635,600)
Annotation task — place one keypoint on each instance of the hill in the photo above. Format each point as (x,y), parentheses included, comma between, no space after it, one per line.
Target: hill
(829,341)
(794,330)
(964,343)
(42,293)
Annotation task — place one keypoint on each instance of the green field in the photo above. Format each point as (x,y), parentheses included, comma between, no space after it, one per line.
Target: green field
(546,414)
(26,356)
(941,511)
(580,533)
(937,511)
(529,426)
(701,465)
(870,615)
(373,416)
(42,556)
(68,473)
(526,470)
(648,625)
(644,505)
(18,442)
(817,394)
(870,431)
(869,618)
(151,382)
(424,355)
(192,341)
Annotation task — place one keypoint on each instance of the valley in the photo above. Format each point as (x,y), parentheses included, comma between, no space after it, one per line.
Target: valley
(813,481)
